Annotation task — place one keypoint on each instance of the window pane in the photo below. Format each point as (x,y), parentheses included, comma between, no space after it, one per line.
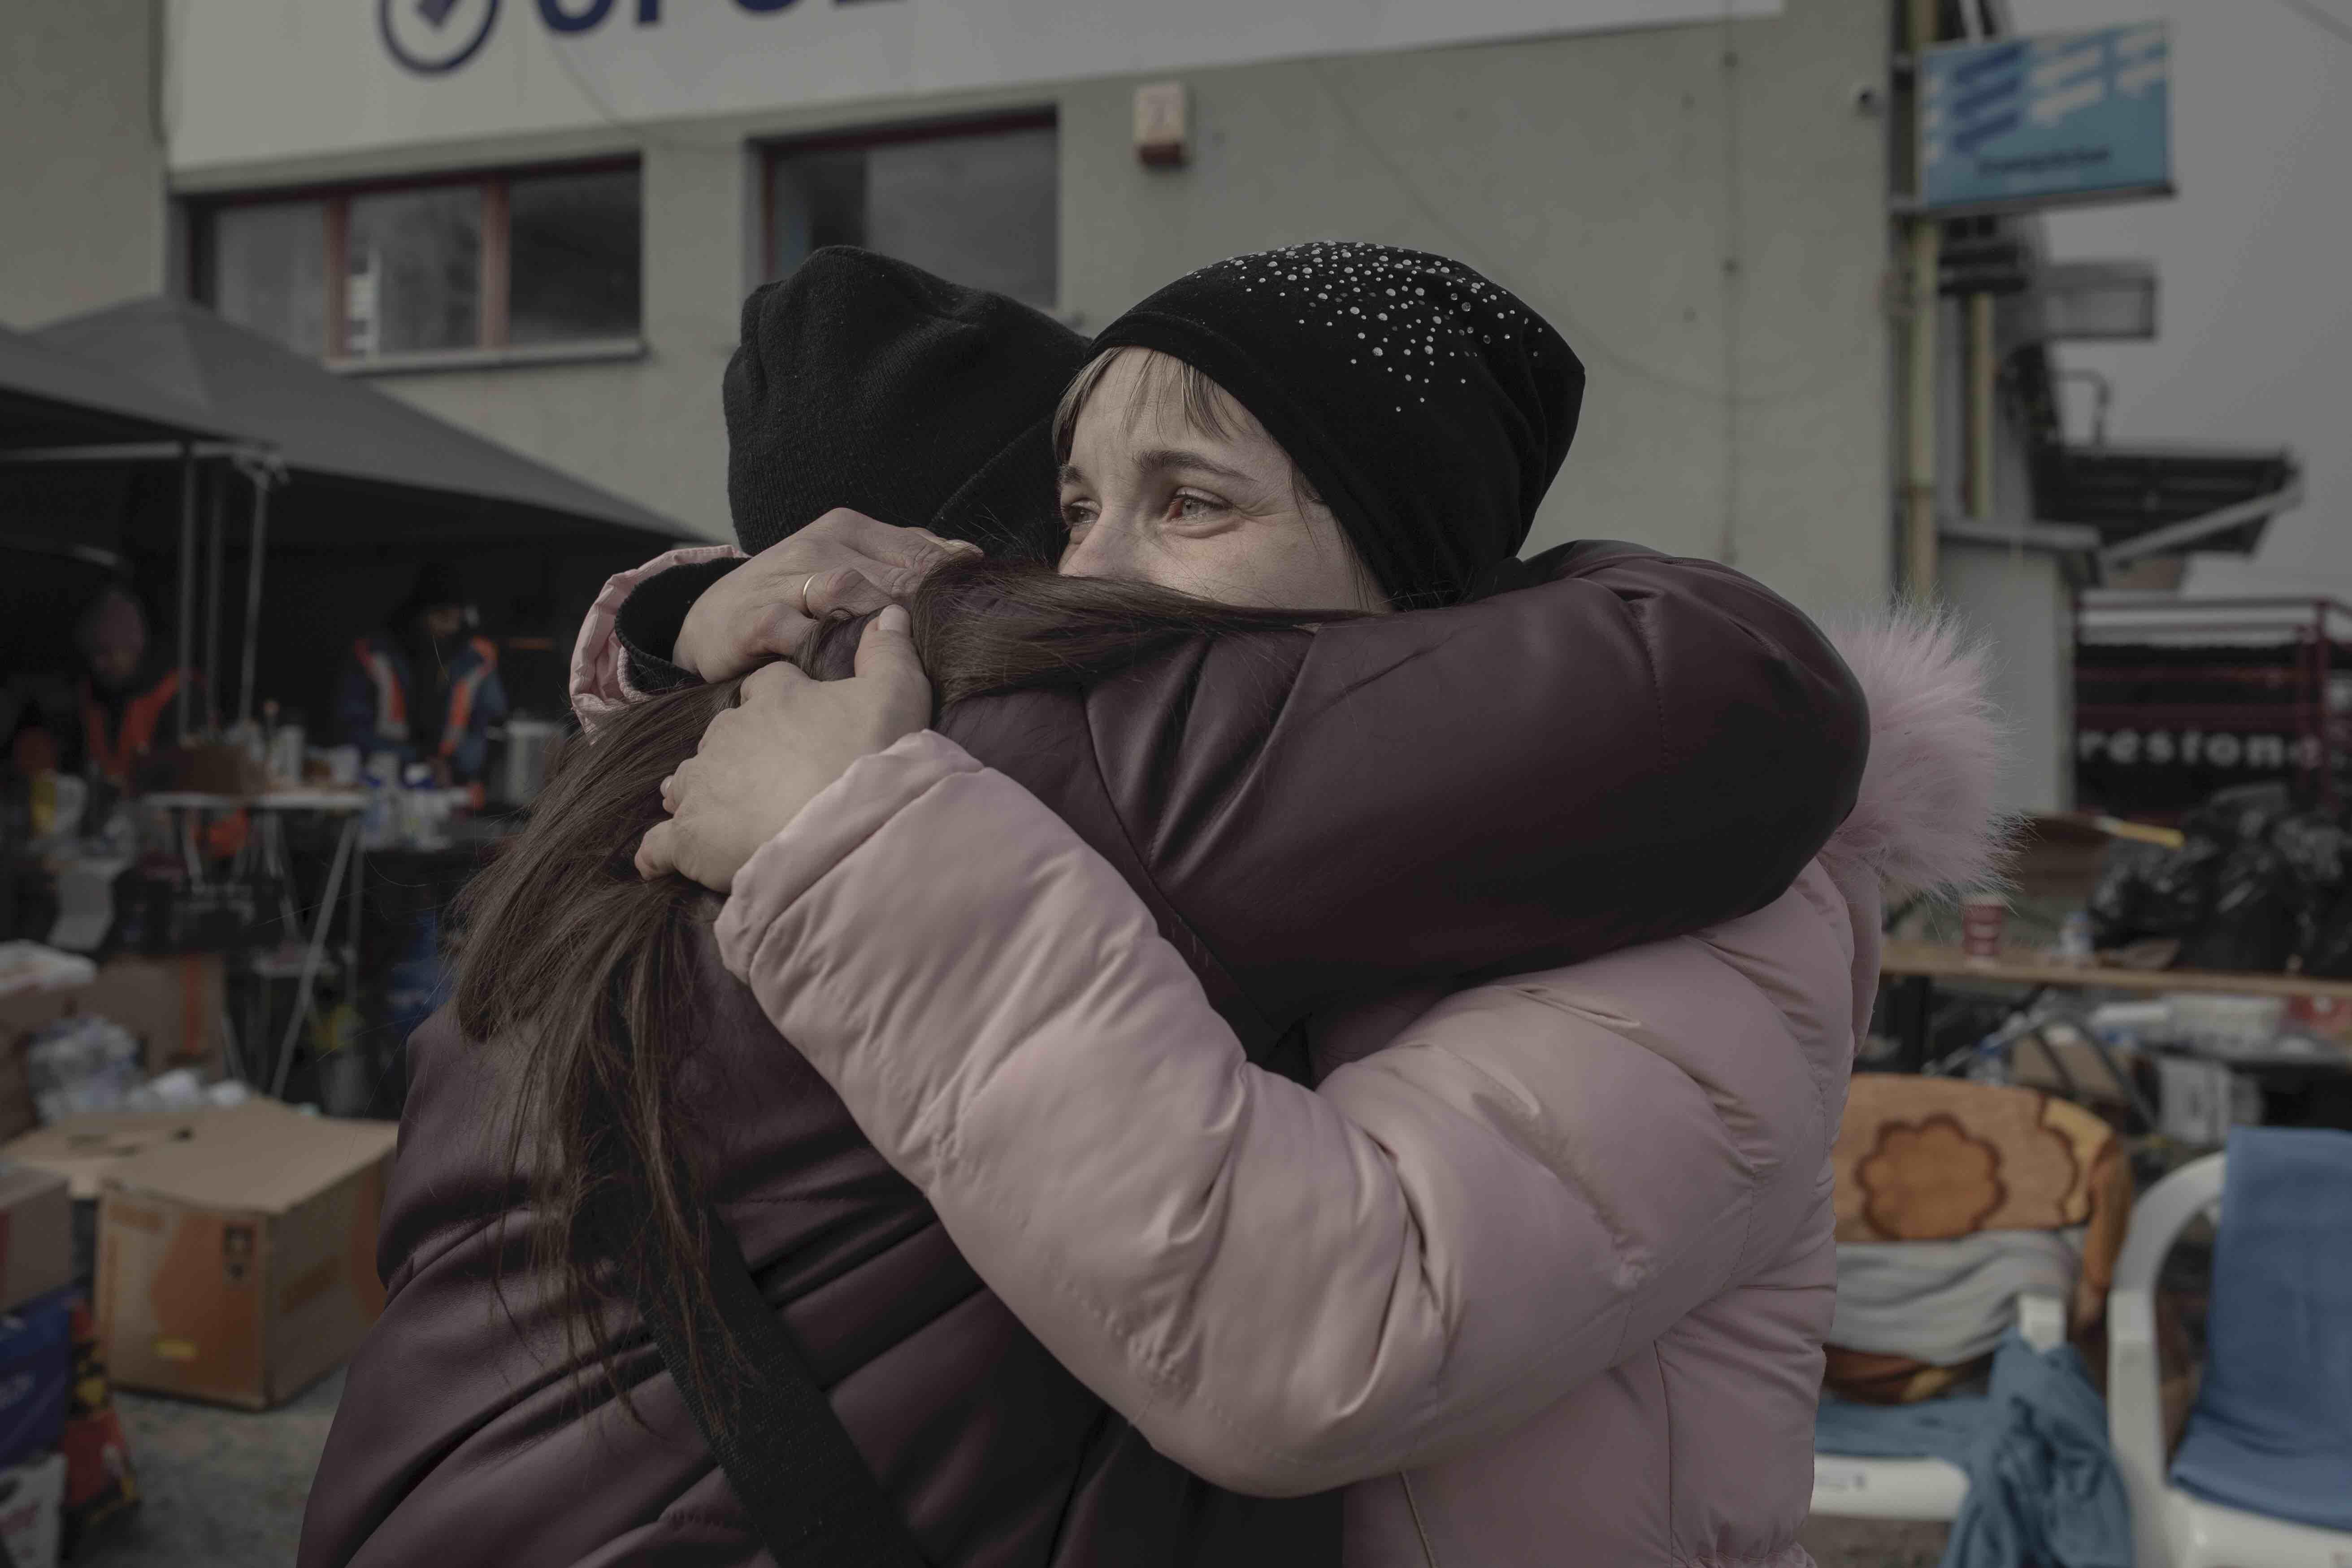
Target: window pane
(981,210)
(269,272)
(416,271)
(574,248)
(819,200)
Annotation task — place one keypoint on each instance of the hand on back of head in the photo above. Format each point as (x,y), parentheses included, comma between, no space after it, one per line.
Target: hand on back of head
(787,738)
(843,563)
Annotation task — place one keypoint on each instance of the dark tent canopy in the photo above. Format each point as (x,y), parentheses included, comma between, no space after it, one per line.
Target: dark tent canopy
(51,399)
(366,467)
(366,488)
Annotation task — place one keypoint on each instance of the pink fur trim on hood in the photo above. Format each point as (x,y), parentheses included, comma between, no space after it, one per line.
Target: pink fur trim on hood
(1925,819)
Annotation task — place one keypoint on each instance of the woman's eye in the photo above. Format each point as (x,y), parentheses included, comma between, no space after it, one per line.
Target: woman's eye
(1191,508)
(1077,515)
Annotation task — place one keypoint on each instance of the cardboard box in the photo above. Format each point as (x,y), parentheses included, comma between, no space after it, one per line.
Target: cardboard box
(84,1149)
(30,1496)
(174,1005)
(237,1264)
(37,1250)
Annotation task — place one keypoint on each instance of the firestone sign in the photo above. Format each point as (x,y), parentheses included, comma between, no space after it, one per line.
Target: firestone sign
(392,74)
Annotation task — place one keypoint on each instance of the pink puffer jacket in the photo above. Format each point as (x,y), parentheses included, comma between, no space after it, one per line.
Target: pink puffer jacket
(1543,1278)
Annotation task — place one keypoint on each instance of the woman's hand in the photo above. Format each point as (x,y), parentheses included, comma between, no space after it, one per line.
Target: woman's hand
(787,738)
(844,561)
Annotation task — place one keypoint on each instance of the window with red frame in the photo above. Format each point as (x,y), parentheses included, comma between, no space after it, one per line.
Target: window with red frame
(520,259)
(977,202)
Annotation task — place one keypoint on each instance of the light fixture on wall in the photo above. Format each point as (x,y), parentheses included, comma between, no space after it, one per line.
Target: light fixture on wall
(1163,125)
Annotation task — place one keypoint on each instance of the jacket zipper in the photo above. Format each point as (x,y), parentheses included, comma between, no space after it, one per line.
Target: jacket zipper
(1413,1506)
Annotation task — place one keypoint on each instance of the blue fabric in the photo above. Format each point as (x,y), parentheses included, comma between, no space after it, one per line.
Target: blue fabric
(2042,1484)
(35,1374)
(2271,1433)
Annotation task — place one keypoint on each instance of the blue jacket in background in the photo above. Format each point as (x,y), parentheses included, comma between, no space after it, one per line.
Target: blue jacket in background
(379,696)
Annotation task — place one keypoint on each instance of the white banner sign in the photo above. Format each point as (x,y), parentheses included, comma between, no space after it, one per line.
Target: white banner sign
(262,79)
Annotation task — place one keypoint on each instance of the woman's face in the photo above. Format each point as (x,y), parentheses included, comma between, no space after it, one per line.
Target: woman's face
(1149,496)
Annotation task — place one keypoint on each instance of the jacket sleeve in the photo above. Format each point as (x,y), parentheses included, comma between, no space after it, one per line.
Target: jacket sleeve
(1637,746)
(1285,1289)
(610,668)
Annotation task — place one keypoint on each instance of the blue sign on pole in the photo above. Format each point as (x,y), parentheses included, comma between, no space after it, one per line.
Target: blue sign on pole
(2082,117)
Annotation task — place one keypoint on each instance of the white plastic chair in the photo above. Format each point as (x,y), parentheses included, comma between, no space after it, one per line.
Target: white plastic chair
(2171,1528)
(1928,1490)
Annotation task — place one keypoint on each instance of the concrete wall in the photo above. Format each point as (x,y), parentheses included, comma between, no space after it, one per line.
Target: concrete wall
(1701,210)
(82,187)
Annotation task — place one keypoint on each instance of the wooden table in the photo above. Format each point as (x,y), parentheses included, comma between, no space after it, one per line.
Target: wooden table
(1932,962)
(1917,966)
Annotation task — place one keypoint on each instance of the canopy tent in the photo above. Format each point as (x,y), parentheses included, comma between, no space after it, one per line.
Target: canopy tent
(344,483)
(379,468)
(53,399)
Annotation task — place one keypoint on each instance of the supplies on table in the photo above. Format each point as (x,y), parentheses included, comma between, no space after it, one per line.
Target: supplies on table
(173,1006)
(28,966)
(80,1064)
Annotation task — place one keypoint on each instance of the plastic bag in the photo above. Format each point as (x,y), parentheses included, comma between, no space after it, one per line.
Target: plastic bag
(82,1064)
(2147,890)
(2254,923)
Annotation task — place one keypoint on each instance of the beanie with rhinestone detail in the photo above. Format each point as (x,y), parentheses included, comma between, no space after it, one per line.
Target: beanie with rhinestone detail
(1428,406)
(865,382)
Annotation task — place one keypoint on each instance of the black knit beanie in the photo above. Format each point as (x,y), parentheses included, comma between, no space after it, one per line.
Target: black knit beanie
(437,583)
(867,383)
(1429,406)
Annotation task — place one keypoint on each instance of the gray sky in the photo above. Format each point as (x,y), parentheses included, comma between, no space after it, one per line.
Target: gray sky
(2254,259)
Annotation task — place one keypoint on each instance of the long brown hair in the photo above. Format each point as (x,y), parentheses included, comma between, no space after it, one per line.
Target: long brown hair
(585,971)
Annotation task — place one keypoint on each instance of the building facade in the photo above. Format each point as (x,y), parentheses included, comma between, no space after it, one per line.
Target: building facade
(538,219)
(547,240)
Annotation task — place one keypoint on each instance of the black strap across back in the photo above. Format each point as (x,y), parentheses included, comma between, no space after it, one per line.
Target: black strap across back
(812,1499)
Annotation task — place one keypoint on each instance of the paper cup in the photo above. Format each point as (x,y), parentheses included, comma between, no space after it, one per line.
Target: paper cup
(1982,918)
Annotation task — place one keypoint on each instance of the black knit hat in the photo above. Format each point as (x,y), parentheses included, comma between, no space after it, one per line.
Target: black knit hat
(866,383)
(1429,406)
(437,583)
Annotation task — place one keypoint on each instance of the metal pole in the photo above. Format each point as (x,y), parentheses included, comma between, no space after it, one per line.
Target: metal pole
(344,845)
(218,524)
(1981,379)
(1927,244)
(253,594)
(187,579)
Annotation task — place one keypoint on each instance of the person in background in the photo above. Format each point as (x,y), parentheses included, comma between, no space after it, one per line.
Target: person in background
(424,689)
(128,692)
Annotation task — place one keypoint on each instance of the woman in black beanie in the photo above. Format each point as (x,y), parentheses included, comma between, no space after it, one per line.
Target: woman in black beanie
(1425,407)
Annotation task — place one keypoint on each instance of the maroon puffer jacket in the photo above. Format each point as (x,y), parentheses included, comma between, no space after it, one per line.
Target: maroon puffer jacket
(1633,747)
(457,1440)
